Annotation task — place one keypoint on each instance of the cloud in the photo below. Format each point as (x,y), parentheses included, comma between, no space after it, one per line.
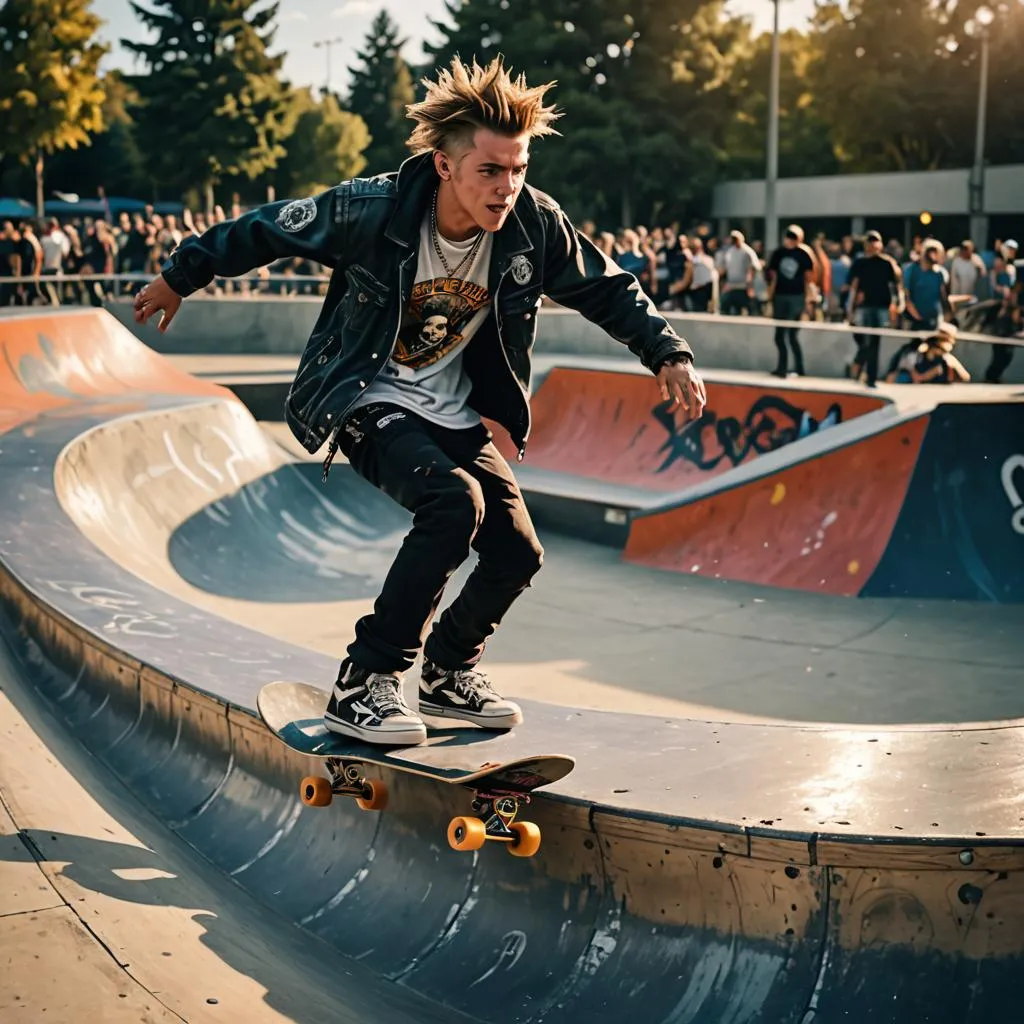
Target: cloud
(292,16)
(354,7)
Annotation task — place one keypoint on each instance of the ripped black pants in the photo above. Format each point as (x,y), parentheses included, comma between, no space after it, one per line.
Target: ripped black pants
(462,495)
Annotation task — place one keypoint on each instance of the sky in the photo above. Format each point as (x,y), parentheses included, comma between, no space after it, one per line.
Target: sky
(301,23)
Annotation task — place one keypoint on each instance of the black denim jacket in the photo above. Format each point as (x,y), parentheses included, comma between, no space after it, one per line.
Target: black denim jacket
(367,231)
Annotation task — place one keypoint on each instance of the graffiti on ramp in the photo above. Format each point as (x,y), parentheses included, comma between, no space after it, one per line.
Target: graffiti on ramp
(771,423)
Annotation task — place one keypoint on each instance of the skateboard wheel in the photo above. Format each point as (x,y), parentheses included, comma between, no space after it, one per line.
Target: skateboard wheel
(466,834)
(528,841)
(316,791)
(376,796)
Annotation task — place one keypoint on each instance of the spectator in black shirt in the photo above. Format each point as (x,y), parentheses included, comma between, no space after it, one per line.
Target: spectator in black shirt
(136,246)
(876,298)
(31,254)
(10,262)
(679,264)
(790,274)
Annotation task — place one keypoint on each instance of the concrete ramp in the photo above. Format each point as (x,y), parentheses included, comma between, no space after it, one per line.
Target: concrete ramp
(922,507)
(960,531)
(691,870)
(611,425)
(603,443)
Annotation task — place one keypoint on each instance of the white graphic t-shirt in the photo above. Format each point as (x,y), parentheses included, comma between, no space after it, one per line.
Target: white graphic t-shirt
(425,372)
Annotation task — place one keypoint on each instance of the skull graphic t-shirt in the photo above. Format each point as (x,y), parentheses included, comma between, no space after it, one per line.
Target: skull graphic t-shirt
(425,371)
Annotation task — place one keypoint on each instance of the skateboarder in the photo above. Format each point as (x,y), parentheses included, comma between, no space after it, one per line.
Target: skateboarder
(428,325)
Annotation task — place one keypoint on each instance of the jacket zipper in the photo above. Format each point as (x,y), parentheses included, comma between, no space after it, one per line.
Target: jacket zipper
(521,453)
(333,448)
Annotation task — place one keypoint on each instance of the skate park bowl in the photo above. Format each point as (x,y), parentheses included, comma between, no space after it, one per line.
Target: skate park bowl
(158,548)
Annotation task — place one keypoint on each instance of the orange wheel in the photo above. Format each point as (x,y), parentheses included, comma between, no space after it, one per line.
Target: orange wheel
(466,834)
(316,791)
(528,842)
(376,796)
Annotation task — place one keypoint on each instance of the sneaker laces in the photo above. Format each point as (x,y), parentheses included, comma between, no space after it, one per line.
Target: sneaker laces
(470,683)
(386,694)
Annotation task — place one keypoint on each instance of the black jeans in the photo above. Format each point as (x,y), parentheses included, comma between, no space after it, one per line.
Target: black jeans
(788,307)
(1002,356)
(866,358)
(462,495)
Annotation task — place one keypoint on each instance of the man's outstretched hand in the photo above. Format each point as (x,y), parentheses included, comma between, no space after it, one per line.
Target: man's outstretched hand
(681,384)
(157,297)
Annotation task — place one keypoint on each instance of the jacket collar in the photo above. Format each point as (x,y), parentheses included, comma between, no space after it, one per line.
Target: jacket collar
(415,185)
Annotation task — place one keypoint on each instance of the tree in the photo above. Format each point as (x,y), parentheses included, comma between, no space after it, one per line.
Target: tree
(113,160)
(380,91)
(887,85)
(212,103)
(50,91)
(1006,102)
(805,145)
(327,146)
(671,66)
(644,85)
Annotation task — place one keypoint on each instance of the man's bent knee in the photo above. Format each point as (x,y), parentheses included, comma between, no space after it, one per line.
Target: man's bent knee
(520,558)
(455,504)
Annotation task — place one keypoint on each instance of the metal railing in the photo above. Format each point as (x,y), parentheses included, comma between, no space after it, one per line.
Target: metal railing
(260,284)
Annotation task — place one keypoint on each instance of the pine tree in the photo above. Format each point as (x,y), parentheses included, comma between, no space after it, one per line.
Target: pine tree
(380,90)
(212,104)
(644,85)
(50,90)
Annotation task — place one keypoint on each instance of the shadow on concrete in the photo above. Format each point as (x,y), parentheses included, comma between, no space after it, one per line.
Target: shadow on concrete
(287,538)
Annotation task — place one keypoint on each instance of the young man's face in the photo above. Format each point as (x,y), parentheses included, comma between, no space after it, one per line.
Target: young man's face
(488,177)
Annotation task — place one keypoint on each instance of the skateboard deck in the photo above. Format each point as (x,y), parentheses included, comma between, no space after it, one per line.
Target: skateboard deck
(294,714)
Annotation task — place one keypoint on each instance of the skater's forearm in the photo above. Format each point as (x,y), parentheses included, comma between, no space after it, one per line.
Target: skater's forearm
(578,275)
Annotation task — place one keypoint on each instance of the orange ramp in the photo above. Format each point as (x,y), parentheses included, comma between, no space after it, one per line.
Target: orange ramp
(820,524)
(612,426)
(61,359)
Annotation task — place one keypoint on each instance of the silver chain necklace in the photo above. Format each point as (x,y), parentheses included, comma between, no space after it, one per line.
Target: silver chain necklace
(434,234)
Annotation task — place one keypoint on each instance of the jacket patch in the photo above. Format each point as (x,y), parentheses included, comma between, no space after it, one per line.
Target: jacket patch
(522,270)
(297,215)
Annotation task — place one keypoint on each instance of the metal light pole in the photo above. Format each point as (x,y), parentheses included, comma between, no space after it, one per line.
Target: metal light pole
(327,44)
(983,18)
(771,180)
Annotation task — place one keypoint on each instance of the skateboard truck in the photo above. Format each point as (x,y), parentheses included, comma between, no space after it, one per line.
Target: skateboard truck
(495,812)
(496,820)
(347,779)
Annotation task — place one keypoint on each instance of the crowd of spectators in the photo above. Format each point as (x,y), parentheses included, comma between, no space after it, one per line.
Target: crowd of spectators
(860,280)
(55,253)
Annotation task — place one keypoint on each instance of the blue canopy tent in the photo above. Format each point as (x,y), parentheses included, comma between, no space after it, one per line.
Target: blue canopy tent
(12,209)
(115,205)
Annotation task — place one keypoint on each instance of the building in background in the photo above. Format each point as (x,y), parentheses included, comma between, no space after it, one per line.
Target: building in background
(891,203)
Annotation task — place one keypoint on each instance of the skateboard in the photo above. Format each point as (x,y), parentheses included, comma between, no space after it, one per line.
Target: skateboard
(294,714)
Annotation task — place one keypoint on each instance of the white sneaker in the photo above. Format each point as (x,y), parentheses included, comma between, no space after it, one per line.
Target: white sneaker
(466,694)
(370,706)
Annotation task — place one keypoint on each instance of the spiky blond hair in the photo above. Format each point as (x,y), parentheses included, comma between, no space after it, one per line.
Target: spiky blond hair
(464,99)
